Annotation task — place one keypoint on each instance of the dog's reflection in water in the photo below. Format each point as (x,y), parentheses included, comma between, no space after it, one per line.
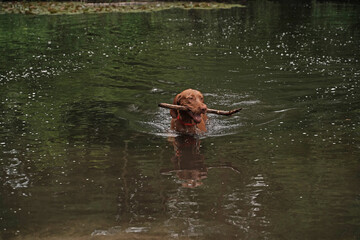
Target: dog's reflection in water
(188,162)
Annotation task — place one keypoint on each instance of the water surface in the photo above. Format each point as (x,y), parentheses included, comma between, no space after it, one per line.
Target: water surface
(86,152)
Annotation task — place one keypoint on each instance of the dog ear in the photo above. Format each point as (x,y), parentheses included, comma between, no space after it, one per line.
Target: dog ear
(174,113)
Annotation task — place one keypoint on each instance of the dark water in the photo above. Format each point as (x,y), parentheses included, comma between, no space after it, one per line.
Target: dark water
(85,151)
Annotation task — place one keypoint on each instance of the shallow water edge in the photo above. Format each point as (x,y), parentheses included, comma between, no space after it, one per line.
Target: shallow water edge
(59,8)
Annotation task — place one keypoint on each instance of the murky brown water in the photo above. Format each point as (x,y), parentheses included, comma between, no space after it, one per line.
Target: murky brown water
(86,153)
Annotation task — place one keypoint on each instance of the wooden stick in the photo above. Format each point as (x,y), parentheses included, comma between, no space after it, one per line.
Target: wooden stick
(214,111)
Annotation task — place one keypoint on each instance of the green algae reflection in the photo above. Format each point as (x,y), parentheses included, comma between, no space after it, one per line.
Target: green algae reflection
(47,8)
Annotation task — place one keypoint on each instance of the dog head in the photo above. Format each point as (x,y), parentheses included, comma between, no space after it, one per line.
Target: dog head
(193,100)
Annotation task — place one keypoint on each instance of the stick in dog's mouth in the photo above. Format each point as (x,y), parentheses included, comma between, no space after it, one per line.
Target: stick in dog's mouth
(214,111)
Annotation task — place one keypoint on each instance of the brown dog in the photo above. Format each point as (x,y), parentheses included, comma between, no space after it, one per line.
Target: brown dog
(193,120)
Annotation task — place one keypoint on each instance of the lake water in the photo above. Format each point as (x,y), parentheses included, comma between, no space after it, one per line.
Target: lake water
(86,153)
